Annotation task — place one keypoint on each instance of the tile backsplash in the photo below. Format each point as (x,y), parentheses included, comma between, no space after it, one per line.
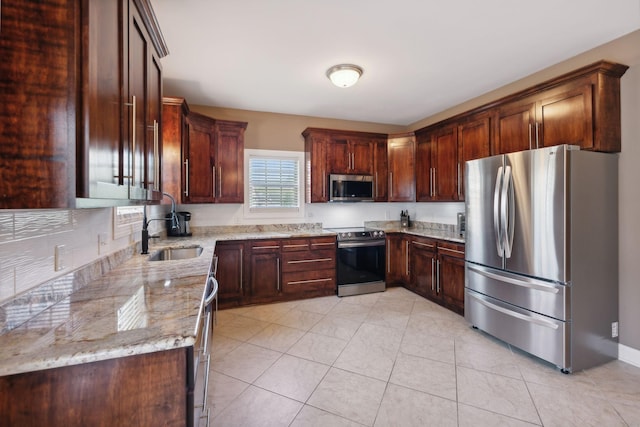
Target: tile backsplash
(40,245)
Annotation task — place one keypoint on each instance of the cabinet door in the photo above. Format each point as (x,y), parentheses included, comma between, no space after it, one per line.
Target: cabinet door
(199,155)
(401,169)
(264,278)
(380,172)
(473,143)
(397,259)
(450,275)
(361,156)
(174,131)
(566,117)
(264,270)
(444,157)
(423,168)
(230,272)
(154,130)
(230,163)
(316,168)
(101,172)
(515,128)
(339,156)
(137,69)
(422,262)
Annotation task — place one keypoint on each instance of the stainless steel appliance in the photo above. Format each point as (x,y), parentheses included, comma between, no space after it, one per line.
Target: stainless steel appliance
(350,188)
(200,353)
(542,253)
(360,261)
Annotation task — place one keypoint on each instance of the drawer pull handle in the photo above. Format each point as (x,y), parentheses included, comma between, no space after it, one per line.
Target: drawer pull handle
(423,244)
(309,260)
(300,282)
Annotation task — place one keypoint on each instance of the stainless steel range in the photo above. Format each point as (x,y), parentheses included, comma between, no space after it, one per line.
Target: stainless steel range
(360,261)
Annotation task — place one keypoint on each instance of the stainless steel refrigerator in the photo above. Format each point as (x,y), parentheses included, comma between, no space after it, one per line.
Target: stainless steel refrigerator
(542,253)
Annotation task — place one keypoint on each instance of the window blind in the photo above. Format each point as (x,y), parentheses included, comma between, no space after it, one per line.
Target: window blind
(273,183)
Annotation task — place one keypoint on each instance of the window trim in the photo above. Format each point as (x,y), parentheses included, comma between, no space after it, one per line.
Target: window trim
(271,213)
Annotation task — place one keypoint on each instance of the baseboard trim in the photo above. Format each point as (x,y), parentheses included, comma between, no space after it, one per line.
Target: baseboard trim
(629,355)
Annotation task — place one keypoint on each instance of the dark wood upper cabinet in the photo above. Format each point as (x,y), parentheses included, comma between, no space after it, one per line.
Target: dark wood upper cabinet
(437,164)
(199,153)
(380,171)
(316,177)
(579,108)
(329,151)
(203,157)
(515,127)
(401,158)
(474,142)
(350,155)
(68,70)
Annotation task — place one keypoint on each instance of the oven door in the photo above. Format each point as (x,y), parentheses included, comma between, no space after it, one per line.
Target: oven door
(361,262)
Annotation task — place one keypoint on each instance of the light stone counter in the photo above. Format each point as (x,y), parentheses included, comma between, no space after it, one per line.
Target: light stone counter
(422,229)
(139,306)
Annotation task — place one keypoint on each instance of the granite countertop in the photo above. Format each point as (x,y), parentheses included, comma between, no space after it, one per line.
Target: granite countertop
(434,231)
(140,306)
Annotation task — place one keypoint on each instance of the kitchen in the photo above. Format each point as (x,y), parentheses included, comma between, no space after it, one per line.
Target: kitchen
(84,235)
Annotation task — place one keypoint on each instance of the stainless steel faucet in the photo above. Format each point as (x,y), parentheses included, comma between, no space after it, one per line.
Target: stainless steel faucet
(145,223)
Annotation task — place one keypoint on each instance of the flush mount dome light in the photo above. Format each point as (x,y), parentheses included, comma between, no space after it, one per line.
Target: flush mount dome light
(344,75)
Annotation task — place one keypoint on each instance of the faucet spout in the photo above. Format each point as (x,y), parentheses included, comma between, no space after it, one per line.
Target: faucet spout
(144,243)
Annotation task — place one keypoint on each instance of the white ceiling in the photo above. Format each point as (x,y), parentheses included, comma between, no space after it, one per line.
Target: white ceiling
(419,57)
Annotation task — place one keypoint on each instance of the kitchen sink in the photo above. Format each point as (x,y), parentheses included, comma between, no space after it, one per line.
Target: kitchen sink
(168,254)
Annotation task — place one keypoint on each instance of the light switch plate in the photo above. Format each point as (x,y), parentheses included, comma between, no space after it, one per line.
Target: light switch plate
(60,257)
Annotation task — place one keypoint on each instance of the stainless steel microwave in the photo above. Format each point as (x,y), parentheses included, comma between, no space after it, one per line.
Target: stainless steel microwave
(350,188)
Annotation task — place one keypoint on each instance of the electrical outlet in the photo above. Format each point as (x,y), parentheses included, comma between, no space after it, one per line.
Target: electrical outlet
(60,256)
(614,329)
(102,239)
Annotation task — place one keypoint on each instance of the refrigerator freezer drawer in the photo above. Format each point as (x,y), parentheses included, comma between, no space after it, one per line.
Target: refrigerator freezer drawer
(541,336)
(547,298)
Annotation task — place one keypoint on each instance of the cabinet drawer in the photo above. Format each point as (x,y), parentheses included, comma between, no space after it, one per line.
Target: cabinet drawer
(328,242)
(308,281)
(264,246)
(423,244)
(308,243)
(297,244)
(451,249)
(308,260)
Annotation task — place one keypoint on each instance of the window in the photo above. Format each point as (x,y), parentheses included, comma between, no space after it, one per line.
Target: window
(273,183)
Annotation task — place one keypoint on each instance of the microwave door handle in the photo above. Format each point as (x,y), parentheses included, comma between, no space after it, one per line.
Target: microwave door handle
(497,223)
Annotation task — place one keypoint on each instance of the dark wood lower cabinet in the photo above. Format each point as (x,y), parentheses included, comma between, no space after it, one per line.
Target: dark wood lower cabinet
(268,270)
(423,267)
(142,390)
(431,268)
(230,272)
(397,259)
(450,275)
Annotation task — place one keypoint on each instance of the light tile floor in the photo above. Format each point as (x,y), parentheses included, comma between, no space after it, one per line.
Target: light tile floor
(396,359)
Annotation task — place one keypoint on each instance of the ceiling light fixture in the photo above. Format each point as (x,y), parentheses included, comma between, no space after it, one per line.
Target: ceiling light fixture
(344,75)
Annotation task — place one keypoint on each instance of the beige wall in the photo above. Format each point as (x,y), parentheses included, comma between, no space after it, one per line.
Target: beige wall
(284,131)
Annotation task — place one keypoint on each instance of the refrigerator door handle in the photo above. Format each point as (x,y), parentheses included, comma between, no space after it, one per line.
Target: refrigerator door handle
(497,223)
(507,211)
(526,318)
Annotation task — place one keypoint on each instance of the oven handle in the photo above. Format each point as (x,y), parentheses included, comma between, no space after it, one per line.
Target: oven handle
(361,244)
